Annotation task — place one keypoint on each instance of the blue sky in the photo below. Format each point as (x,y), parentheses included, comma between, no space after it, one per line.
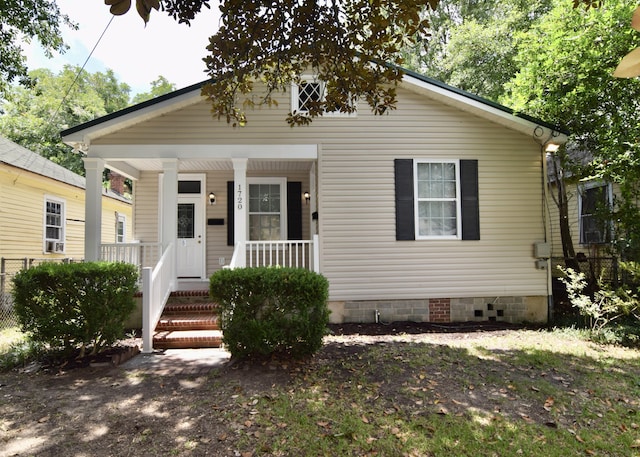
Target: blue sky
(137,54)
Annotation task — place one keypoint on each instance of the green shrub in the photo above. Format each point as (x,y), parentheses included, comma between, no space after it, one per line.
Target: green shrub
(78,305)
(271,311)
(611,316)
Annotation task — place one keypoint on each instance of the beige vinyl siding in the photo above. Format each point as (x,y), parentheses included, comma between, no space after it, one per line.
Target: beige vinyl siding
(359,253)
(22,203)
(147,208)
(217,234)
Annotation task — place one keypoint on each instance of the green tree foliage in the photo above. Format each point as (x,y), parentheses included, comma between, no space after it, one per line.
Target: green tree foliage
(346,43)
(473,44)
(34,117)
(566,64)
(159,87)
(22,21)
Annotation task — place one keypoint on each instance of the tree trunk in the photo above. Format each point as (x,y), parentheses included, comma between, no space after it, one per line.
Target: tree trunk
(562,201)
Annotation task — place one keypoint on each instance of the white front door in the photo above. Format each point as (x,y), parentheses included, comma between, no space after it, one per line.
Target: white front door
(190,240)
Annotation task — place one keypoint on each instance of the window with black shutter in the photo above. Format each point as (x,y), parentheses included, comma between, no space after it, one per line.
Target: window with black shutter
(437,199)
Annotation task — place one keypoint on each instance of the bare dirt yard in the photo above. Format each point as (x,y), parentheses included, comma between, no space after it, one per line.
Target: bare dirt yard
(198,402)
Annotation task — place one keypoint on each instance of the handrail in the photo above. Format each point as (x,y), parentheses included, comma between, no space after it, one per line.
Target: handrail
(235,258)
(157,284)
(316,253)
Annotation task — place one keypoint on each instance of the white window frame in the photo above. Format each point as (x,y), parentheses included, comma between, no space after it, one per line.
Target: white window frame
(417,199)
(609,195)
(63,222)
(295,98)
(121,219)
(282,182)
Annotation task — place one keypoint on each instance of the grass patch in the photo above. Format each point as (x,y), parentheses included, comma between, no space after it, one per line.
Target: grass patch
(9,337)
(540,393)
(16,349)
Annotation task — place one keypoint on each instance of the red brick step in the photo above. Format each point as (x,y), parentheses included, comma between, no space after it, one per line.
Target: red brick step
(184,339)
(189,320)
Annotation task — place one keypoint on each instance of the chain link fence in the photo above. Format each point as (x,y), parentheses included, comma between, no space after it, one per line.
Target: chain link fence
(603,270)
(8,269)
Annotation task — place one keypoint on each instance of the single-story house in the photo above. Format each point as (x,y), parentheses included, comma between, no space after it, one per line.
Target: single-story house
(42,208)
(431,213)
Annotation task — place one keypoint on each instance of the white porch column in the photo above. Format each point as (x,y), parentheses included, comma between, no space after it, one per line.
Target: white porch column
(241,200)
(169,205)
(93,208)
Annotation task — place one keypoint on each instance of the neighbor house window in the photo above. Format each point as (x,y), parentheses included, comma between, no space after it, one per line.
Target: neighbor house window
(121,227)
(595,199)
(309,91)
(437,199)
(267,209)
(54,217)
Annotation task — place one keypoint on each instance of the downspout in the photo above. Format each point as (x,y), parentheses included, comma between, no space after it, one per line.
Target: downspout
(547,230)
(547,146)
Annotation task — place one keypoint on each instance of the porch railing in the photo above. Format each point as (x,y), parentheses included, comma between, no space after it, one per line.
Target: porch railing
(288,253)
(157,284)
(140,254)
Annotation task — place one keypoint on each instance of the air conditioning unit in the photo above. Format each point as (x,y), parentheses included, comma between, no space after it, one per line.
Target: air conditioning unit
(55,246)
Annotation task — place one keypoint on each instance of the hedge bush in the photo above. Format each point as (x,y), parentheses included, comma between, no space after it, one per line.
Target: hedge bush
(77,305)
(271,311)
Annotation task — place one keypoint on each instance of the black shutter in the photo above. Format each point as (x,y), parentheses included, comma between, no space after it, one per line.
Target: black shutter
(230,214)
(405,221)
(470,204)
(294,210)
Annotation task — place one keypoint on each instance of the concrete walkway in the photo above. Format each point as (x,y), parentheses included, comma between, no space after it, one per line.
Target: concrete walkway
(178,361)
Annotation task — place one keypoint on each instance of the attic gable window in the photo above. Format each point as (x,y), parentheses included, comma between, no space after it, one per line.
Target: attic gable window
(310,91)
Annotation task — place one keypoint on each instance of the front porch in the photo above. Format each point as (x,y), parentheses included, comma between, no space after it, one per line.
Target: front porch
(196,215)
(180,327)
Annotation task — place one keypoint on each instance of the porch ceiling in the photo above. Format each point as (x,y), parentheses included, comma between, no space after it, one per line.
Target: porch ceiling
(202,165)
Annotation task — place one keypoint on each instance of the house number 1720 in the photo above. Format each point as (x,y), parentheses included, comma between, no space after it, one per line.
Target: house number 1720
(239,197)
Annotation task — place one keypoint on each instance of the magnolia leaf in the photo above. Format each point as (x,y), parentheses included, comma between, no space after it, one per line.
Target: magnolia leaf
(629,66)
(635,19)
(118,7)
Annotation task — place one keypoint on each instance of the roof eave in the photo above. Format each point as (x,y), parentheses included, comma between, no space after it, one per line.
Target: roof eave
(132,115)
(541,131)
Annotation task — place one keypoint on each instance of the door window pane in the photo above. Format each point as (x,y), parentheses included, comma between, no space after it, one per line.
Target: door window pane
(186,220)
